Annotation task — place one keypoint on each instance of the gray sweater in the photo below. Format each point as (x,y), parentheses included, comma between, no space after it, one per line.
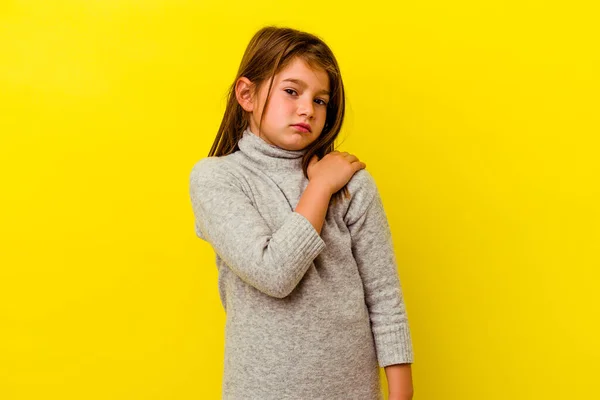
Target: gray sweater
(307,317)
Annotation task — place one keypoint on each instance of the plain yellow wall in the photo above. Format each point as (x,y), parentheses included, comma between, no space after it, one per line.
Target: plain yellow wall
(479,121)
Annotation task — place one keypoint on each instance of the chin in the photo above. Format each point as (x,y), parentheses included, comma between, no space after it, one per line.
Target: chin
(294,147)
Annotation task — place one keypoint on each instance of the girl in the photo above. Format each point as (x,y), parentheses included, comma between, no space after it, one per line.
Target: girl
(307,271)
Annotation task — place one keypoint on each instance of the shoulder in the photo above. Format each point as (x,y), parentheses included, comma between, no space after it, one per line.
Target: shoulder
(363,189)
(212,168)
(362,186)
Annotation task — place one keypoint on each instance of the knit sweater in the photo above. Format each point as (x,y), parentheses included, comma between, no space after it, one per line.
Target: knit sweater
(308,316)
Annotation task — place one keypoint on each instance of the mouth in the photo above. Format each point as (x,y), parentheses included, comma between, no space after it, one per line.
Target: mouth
(302,127)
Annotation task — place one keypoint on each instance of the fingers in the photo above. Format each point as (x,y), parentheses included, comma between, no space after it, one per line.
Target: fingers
(349,157)
(358,165)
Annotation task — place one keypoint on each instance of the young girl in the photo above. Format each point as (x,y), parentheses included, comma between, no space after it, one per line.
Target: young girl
(307,271)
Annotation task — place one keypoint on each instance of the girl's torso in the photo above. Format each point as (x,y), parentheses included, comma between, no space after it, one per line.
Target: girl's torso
(315,342)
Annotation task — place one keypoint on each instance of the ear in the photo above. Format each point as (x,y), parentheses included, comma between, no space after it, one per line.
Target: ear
(244,93)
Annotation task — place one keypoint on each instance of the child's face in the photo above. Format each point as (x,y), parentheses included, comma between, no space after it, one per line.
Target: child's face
(304,101)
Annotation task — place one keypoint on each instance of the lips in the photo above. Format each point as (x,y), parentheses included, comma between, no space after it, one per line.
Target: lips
(305,126)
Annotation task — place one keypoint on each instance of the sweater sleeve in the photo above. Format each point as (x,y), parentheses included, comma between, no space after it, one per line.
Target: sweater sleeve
(270,261)
(373,249)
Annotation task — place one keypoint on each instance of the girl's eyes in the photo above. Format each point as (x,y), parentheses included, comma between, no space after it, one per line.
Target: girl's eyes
(324,103)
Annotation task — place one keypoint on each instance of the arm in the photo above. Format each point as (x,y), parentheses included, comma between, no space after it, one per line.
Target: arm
(373,250)
(313,204)
(399,379)
(270,261)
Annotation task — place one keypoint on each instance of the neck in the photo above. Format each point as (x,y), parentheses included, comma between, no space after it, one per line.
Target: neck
(268,156)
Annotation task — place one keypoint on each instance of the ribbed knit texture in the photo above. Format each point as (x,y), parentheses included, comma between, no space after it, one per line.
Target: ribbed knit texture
(309,316)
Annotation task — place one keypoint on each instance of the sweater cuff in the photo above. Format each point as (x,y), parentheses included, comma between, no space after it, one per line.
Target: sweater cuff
(394,347)
(303,241)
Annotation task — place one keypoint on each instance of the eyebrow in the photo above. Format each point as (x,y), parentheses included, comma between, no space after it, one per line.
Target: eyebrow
(303,84)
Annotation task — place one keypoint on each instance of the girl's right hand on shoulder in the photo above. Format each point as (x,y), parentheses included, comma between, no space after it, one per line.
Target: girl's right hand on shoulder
(334,170)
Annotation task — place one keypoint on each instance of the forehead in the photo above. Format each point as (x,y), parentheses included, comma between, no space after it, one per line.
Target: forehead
(299,70)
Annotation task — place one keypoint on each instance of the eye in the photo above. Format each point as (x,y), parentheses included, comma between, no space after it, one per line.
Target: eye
(323,102)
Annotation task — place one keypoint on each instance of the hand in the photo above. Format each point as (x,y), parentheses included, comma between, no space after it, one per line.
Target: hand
(334,170)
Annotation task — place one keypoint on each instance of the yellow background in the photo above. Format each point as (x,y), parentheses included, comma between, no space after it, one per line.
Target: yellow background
(479,121)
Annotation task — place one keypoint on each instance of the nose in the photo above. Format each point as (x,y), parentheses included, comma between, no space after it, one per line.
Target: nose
(306,107)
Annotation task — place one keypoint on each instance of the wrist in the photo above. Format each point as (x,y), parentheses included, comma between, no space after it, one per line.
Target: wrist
(320,186)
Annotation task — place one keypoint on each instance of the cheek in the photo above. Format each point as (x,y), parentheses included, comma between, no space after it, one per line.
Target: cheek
(322,112)
(281,105)
(287,111)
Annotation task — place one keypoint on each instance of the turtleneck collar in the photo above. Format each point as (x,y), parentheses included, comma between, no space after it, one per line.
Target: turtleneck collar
(268,155)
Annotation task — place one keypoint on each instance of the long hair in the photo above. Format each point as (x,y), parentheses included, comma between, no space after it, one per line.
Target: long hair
(269,51)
